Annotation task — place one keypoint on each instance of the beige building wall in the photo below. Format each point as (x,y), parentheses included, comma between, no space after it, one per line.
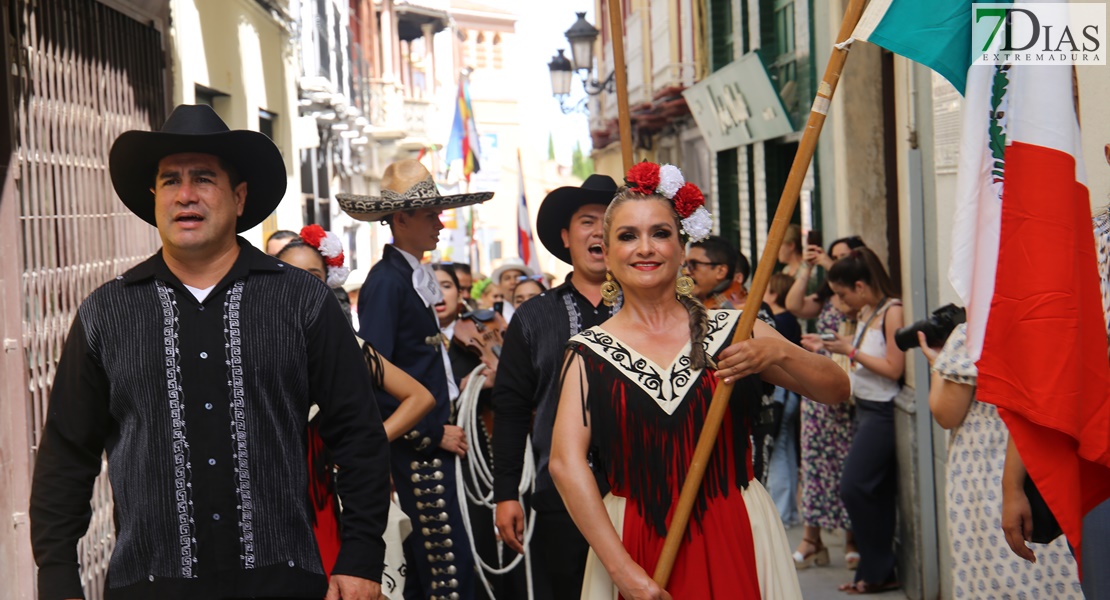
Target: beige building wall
(235,48)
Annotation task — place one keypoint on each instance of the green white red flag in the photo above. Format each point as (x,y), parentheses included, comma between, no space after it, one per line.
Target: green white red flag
(1023,255)
(1042,329)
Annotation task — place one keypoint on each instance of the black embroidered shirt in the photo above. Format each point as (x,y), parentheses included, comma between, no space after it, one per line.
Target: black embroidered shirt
(202,408)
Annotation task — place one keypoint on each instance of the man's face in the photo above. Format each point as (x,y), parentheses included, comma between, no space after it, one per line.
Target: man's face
(705,273)
(195,207)
(419,232)
(508,280)
(465,281)
(583,237)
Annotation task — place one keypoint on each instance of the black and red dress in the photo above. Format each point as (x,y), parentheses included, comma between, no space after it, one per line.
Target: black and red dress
(645,421)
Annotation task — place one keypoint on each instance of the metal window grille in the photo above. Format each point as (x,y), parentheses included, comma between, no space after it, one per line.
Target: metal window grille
(80,74)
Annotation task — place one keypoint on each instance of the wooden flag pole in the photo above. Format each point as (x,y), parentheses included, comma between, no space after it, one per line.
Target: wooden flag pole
(616,30)
(787,202)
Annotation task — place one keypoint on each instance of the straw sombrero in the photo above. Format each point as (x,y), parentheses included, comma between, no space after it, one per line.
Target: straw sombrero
(406,185)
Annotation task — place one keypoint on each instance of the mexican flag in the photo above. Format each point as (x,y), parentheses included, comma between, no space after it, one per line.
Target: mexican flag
(936,33)
(1043,359)
(1023,255)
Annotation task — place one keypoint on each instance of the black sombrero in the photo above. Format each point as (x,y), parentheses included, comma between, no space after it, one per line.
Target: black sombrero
(406,185)
(559,206)
(133,161)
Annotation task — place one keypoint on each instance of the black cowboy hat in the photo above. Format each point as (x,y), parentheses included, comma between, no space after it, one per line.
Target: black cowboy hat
(559,206)
(133,161)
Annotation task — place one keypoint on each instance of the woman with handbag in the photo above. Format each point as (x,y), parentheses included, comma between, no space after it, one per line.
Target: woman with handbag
(869,483)
(976,454)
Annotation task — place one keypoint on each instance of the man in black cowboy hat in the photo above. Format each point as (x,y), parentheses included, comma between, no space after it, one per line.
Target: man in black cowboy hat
(195,370)
(569,224)
(397,317)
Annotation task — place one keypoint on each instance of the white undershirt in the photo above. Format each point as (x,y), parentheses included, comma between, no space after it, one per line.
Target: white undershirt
(198,293)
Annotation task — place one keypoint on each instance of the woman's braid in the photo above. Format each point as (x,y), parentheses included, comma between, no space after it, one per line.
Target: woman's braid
(699,328)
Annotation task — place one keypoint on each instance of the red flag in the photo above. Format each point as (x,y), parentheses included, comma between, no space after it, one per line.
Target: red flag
(526,243)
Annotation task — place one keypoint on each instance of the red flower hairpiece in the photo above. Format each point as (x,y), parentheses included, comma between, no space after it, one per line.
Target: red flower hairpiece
(643,177)
(687,199)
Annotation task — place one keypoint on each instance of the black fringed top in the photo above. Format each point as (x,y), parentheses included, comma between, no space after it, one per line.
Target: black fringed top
(645,420)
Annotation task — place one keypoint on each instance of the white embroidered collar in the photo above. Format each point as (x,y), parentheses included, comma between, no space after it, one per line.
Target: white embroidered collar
(667,386)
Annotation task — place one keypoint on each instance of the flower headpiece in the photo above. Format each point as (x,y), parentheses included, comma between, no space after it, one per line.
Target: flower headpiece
(688,201)
(479,287)
(327,244)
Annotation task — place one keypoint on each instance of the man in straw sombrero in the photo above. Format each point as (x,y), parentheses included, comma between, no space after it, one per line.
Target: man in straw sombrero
(397,317)
(195,371)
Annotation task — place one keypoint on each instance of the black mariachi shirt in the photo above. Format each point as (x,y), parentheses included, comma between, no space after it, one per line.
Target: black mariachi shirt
(528,380)
(202,408)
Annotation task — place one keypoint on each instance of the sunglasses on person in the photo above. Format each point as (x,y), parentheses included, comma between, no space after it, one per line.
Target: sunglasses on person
(692,264)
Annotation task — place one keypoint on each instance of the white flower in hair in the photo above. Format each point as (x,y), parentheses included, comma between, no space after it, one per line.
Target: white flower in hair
(698,225)
(670,180)
(337,276)
(330,246)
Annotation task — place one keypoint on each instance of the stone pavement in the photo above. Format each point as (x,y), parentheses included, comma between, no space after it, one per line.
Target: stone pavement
(820,583)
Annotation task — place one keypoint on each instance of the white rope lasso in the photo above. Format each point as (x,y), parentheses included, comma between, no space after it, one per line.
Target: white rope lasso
(481,480)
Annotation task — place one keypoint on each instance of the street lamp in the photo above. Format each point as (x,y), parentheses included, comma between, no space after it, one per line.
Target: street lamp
(561,72)
(581,37)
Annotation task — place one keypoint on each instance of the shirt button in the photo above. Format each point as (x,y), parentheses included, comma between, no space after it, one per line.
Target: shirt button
(208,406)
(150,578)
(200,307)
(216,517)
(204,355)
(211,461)
(290,563)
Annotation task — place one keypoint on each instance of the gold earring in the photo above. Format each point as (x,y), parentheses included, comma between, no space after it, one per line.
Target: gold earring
(610,290)
(684,286)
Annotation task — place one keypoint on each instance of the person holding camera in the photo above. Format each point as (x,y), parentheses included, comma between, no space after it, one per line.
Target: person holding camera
(869,483)
(976,455)
(826,430)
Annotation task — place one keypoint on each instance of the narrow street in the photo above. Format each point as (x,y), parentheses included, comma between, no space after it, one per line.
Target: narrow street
(820,583)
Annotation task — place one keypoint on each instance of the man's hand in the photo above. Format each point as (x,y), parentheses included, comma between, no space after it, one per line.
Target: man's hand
(454,440)
(349,587)
(509,517)
(1017,521)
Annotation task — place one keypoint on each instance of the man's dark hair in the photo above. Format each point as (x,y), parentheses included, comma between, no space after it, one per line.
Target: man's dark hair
(462,268)
(232,173)
(743,266)
(388,219)
(719,251)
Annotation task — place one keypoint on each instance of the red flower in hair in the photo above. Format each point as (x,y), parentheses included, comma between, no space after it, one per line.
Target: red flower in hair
(312,234)
(335,261)
(687,199)
(643,177)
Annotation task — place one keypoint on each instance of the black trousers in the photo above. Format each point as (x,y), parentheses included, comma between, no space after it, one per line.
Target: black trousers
(558,552)
(869,487)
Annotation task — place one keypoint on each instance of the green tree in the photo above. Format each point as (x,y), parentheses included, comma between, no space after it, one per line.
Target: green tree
(550,147)
(581,165)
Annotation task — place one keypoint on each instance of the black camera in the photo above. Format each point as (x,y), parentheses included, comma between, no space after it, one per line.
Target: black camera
(936,328)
